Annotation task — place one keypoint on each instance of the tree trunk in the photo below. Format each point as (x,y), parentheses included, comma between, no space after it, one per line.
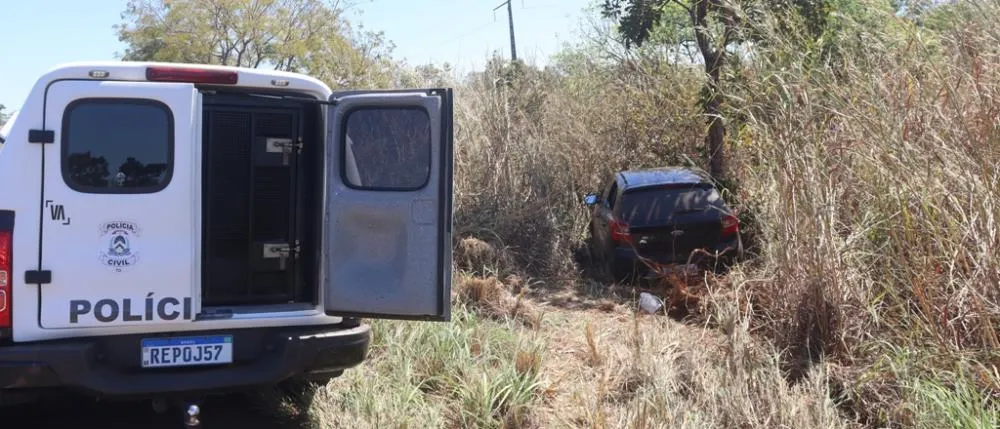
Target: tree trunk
(712,99)
(716,136)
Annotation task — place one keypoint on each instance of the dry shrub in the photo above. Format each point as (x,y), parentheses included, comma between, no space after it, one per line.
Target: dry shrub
(681,294)
(495,299)
(481,293)
(473,254)
(480,257)
(527,361)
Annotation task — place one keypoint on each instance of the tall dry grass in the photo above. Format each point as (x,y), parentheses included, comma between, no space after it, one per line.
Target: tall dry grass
(530,143)
(878,186)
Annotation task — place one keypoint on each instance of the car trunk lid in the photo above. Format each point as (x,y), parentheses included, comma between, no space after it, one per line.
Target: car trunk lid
(669,222)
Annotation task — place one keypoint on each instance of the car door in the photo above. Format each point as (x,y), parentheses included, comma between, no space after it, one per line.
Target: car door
(387,230)
(119,236)
(602,215)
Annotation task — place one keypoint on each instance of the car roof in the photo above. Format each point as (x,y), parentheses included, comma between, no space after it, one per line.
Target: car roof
(662,176)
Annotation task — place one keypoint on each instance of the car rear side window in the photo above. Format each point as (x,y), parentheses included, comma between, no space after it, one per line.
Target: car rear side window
(117,146)
(654,206)
(612,196)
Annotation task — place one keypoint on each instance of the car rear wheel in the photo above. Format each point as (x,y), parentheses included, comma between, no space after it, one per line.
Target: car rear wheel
(622,270)
(600,264)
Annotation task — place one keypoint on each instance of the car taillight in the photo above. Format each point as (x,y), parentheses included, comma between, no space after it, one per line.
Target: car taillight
(619,231)
(730,225)
(191,75)
(6,244)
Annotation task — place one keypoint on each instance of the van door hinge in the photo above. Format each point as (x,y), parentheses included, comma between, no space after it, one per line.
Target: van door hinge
(282,251)
(284,146)
(41,136)
(36,277)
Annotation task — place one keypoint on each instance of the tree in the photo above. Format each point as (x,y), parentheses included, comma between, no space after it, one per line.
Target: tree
(3,115)
(714,27)
(638,18)
(308,36)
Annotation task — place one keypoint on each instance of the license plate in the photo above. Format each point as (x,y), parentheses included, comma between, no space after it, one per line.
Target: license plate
(187,351)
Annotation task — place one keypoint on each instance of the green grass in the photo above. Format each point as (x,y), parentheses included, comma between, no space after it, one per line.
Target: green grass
(952,403)
(471,372)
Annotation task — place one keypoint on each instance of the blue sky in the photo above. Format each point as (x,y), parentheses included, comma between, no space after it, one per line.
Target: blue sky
(39,34)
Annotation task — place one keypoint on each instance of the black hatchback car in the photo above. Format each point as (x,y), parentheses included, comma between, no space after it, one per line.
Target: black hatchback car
(664,215)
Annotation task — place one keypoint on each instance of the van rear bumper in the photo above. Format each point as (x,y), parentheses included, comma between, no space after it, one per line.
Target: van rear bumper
(109,366)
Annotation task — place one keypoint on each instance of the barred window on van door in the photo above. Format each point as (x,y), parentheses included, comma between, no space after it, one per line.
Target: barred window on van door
(391,147)
(117,146)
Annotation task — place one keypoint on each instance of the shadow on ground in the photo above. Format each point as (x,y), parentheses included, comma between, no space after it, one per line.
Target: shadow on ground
(231,411)
(592,290)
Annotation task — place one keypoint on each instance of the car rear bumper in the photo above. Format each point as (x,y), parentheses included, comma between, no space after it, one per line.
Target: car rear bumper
(109,366)
(625,259)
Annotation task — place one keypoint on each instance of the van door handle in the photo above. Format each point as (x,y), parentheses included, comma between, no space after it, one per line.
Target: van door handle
(36,277)
(282,251)
(284,147)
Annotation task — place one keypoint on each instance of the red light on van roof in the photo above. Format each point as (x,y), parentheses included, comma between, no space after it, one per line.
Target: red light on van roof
(191,75)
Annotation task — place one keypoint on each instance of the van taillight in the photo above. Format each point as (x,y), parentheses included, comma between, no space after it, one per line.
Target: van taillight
(191,75)
(6,245)
(730,225)
(619,231)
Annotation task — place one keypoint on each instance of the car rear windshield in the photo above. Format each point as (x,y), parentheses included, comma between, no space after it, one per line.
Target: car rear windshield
(652,206)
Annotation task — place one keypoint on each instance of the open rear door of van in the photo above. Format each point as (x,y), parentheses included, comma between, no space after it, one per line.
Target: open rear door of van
(388,201)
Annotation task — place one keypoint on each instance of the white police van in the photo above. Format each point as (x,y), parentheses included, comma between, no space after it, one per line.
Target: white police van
(176,229)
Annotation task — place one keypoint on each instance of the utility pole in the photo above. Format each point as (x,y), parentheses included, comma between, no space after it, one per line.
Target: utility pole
(510,20)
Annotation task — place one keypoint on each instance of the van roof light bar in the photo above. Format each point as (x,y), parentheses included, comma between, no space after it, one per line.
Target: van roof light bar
(191,75)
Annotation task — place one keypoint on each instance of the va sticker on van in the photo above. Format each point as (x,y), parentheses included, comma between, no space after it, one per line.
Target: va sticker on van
(119,240)
(111,310)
